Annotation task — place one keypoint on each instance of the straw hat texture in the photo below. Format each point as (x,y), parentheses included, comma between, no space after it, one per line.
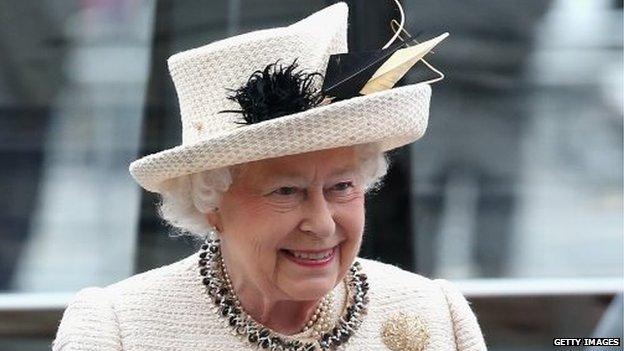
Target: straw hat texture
(210,139)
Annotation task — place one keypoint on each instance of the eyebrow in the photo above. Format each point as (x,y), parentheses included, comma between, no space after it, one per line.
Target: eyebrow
(344,170)
(280,178)
(288,176)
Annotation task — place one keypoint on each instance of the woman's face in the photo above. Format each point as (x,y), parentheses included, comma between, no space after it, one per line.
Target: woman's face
(292,226)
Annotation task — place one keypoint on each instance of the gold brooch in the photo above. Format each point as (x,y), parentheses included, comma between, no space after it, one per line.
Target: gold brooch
(403,332)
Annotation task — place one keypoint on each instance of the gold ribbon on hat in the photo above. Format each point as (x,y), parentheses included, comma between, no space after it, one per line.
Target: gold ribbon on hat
(403,59)
(405,332)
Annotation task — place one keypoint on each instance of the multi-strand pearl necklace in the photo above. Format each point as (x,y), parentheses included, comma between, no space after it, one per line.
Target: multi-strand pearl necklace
(219,288)
(320,320)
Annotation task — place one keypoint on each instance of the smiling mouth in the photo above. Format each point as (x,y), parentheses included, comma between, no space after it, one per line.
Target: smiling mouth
(311,258)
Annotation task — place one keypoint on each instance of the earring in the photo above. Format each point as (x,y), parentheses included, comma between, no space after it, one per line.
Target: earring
(213,233)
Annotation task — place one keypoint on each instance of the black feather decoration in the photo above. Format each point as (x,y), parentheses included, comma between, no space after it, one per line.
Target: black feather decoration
(356,73)
(275,91)
(348,72)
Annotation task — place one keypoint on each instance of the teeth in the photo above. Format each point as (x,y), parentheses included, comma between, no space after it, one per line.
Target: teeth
(312,256)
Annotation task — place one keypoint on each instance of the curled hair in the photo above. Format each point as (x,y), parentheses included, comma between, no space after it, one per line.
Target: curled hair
(186,200)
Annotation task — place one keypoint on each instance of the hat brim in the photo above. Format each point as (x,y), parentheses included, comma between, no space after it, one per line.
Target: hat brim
(392,118)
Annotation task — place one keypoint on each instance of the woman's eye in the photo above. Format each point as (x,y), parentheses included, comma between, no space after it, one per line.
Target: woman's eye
(286,190)
(343,186)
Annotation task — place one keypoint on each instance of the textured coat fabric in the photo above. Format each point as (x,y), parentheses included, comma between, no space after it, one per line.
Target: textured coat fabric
(168,309)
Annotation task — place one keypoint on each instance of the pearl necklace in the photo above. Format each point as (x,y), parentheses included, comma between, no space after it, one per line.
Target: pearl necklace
(219,288)
(319,322)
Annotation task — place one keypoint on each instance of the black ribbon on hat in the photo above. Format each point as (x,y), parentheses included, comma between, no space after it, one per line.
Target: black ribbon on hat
(279,90)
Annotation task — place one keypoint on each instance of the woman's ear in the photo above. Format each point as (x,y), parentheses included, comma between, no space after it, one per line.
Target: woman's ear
(214,218)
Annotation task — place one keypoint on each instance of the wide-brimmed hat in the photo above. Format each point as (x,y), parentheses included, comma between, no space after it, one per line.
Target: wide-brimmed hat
(213,138)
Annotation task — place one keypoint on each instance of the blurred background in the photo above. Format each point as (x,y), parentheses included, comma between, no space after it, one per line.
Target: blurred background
(514,193)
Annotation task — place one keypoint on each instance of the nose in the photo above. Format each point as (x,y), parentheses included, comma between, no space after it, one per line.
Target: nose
(318,217)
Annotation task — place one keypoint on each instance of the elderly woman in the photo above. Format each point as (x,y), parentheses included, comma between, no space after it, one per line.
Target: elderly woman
(272,176)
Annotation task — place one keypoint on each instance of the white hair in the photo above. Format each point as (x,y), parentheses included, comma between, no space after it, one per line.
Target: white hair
(186,200)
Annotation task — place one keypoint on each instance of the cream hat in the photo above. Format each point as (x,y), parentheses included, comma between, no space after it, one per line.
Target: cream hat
(392,118)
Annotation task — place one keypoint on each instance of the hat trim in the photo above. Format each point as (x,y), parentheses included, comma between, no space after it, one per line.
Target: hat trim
(288,135)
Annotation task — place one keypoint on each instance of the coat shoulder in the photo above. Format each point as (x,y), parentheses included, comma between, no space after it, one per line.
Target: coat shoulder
(394,290)
(148,309)
(161,293)
(89,323)
(435,307)
(169,275)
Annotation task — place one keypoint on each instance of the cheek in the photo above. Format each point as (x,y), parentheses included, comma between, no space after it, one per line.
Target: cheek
(256,228)
(351,223)
(350,218)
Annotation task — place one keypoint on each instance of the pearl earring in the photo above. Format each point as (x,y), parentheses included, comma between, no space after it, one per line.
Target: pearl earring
(213,233)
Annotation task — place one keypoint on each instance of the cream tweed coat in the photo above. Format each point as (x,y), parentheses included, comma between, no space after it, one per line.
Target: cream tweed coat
(167,309)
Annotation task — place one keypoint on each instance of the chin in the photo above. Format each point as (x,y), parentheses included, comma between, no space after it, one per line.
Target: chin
(313,290)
